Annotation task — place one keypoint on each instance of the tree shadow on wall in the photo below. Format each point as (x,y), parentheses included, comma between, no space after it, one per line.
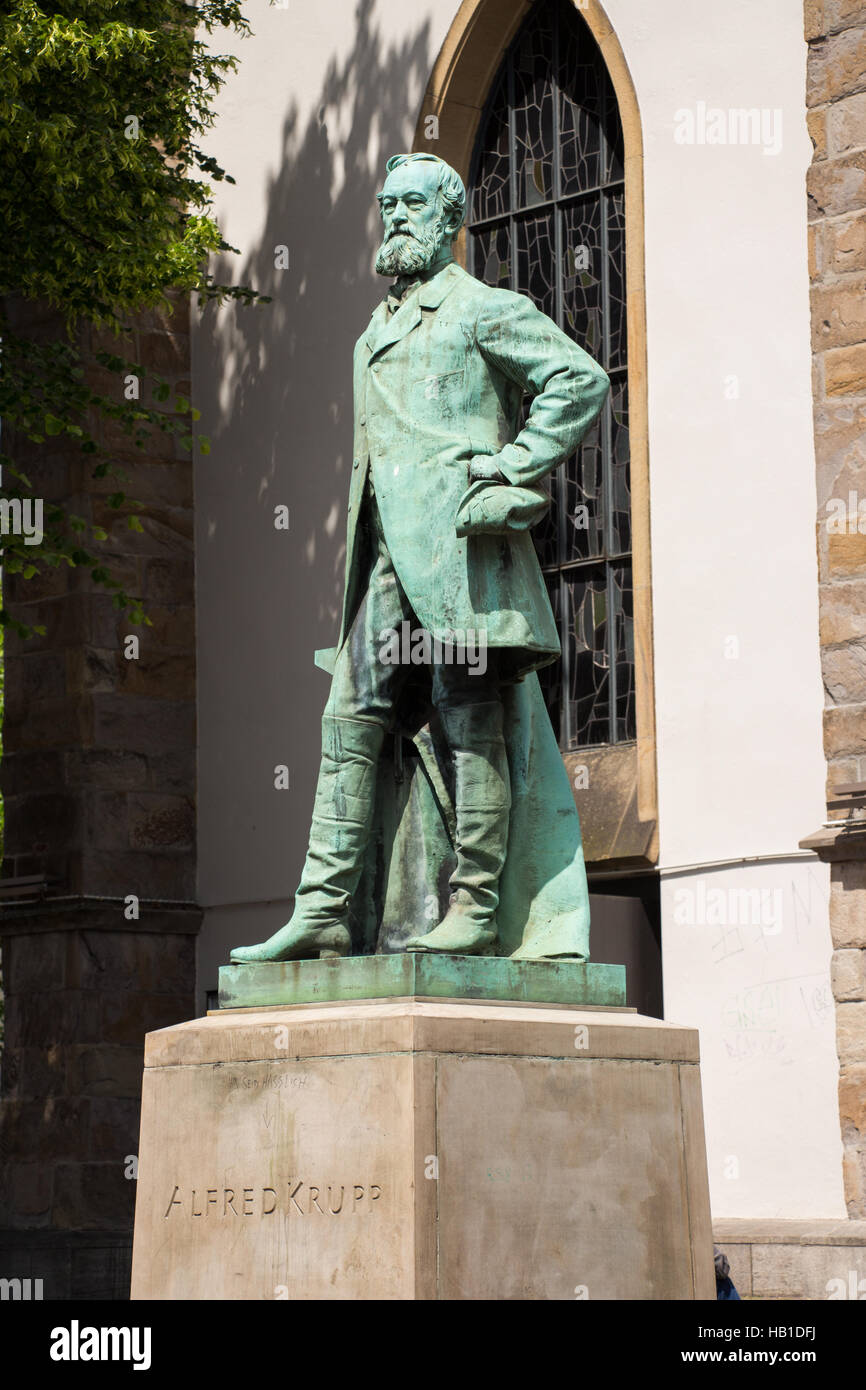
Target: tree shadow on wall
(278,385)
(274,384)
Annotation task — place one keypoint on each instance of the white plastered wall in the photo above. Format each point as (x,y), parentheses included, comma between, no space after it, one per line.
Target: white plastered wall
(324,94)
(735,599)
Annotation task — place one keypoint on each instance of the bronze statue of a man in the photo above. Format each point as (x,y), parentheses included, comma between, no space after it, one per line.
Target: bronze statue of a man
(444,489)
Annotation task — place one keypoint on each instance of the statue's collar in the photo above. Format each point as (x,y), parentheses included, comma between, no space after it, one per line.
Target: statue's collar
(428,293)
(386,328)
(433,291)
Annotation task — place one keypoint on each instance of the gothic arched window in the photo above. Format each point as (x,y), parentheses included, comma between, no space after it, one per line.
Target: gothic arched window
(547,218)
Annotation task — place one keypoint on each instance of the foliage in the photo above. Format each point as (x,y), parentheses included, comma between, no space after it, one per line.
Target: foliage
(105,194)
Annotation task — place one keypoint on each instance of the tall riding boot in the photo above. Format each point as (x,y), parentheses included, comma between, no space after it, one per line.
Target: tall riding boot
(339,834)
(482,806)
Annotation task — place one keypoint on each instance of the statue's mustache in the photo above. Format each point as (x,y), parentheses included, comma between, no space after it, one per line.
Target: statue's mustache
(404,251)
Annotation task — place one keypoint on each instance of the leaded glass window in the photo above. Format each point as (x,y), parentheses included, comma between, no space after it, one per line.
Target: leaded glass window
(546,217)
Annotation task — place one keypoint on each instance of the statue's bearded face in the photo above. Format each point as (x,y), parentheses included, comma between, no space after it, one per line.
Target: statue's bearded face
(415,222)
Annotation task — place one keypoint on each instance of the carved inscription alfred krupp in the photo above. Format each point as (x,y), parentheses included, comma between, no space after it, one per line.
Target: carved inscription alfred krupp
(293,1196)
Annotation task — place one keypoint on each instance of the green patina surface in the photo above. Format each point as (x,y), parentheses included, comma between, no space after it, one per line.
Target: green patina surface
(440,977)
(475,839)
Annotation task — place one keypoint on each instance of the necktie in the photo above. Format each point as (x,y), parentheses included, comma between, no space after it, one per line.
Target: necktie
(397,293)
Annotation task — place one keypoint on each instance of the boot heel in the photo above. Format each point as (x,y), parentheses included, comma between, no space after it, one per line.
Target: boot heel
(335,942)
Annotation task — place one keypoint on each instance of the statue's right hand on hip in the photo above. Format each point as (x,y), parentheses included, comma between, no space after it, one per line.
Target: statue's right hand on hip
(484,467)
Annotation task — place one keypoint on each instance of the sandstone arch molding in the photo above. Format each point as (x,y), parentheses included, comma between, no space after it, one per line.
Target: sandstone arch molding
(622,776)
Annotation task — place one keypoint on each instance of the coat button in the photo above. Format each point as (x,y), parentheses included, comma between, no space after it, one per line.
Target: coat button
(376,367)
(363,420)
(356,463)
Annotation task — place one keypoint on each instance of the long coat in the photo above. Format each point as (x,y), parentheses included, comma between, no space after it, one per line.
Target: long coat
(438,381)
(442,379)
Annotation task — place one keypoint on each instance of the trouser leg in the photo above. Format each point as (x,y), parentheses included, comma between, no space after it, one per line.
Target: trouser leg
(341,818)
(359,710)
(473,729)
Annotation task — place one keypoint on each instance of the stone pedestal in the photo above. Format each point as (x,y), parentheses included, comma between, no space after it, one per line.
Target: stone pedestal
(421,1149)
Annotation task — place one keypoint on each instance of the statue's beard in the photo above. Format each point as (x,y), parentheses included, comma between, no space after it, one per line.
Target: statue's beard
(406,253)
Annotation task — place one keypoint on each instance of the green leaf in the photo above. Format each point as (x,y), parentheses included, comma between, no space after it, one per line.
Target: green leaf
(103,228)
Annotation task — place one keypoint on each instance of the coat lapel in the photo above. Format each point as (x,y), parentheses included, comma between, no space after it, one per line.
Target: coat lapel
(378,322)
(396,326)
(385,328)
(432,292)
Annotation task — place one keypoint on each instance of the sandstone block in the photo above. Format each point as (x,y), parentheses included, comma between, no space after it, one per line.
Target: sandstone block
(422,1150)
(846,124)
(161,822)
(159,674)
(842,14)
(845,371)
(143,724)
(149,874)
(851,1032)
(836,66)
(847,914)
(844,671)
(801,1272)
(34,963)
(816,122)
(839,311)
(105,1070)
(127,1019)
(844,245)
(852,1097)
(848,974)
(843,615)
(169,581)
(813,22)
(92,1197)
(837,185)
(113,1129)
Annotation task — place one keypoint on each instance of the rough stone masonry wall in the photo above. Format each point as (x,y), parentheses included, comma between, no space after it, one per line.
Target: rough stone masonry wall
(836,100)
(98,777)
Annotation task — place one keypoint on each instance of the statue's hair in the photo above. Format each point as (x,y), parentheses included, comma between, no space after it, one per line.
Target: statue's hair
(450,183)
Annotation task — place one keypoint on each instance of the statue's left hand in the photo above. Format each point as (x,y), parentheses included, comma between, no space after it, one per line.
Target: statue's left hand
(485,467)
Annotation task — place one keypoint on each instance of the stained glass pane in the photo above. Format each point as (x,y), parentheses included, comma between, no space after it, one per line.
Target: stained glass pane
(623,608)
(616,328)
(491,196)
(563,120)
(581,96)
(620,540)
(546,533)
(533,111)
(493,256)
(613,134)
(586,619)
(581,275)
(584,501)
(536,261)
